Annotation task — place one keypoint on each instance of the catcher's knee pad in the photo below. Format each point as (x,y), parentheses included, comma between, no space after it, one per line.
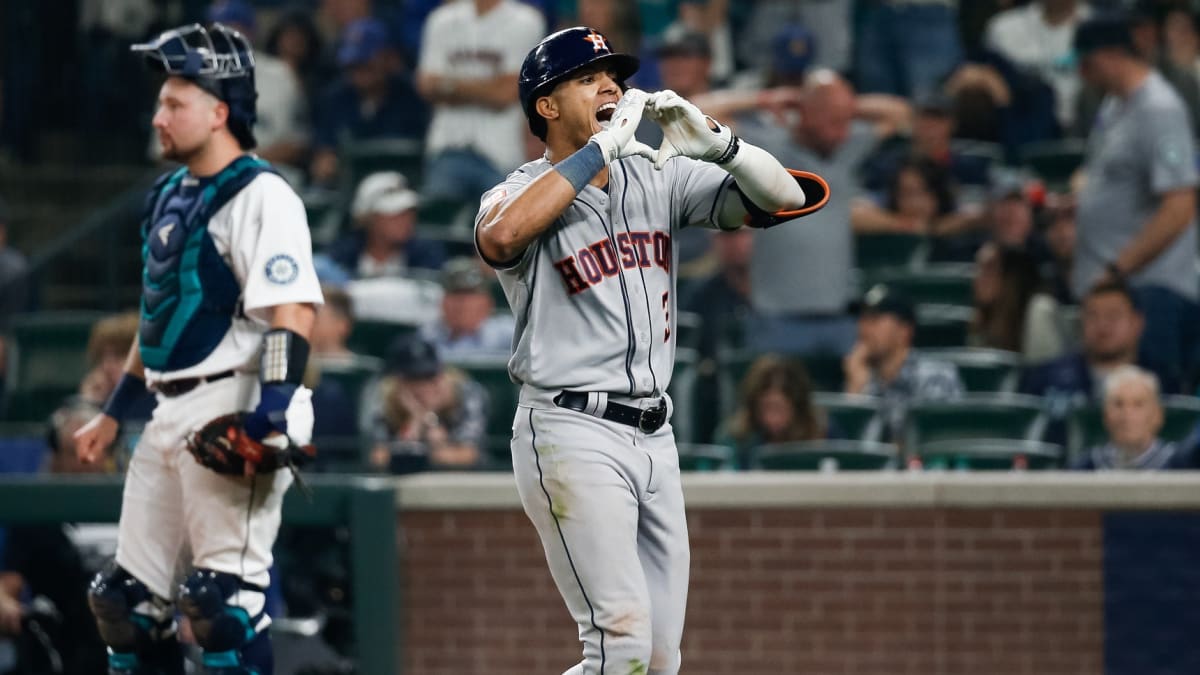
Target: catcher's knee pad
(137,626)
(226,614)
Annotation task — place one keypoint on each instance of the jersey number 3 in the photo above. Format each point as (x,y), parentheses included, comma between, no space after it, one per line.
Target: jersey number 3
(667,315)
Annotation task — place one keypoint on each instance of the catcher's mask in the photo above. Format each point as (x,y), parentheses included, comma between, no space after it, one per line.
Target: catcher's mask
(219,60)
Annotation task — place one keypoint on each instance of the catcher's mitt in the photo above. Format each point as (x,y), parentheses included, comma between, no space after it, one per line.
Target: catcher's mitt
(223,446)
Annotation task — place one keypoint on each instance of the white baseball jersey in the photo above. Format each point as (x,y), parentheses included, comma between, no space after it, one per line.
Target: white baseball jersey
(594,296)
(458,42)
(262,234)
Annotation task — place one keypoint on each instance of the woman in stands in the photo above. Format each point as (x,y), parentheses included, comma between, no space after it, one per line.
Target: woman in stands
(776,406)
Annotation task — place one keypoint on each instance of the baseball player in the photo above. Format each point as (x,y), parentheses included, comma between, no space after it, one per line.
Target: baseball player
(228,297)
(582,241)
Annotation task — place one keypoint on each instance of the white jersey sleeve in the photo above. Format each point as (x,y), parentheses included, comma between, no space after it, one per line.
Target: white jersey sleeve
(271,248)
(698,191)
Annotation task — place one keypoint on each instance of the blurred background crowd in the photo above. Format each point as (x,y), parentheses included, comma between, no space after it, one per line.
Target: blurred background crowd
(1006,275)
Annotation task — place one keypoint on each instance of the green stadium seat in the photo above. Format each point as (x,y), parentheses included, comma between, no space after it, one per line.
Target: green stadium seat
(360,159)
(683,394)
(982,370)
(1054,161)
(688,326)
(944,283)
(974,416)
(1085,426)
(705,457)
(46,361)
(990,454)
(942,326)
(371,338)
(825,455)
(884,250)
(855,415)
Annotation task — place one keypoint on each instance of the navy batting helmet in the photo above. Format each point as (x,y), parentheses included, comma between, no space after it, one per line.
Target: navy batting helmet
(559,55)
(219,60)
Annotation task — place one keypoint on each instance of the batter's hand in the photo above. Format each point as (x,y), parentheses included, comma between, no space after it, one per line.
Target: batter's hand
(616,140)
(95,437)
(686,130)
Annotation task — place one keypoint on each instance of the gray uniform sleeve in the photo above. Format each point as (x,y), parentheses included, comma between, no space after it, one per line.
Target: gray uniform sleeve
(1168,148)
(506,190)
(697,190)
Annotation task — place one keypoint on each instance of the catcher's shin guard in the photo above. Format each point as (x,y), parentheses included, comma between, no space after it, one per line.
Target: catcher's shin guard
(227,615)
(137,626)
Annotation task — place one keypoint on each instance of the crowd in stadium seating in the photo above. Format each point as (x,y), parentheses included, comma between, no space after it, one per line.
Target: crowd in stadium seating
(964,235)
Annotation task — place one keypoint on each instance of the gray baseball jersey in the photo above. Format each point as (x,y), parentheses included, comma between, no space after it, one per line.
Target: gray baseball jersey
(594,296)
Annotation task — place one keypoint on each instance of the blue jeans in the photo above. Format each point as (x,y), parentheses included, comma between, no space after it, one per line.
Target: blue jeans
(1169,341)
(801,335)
(459,175)
(906,50)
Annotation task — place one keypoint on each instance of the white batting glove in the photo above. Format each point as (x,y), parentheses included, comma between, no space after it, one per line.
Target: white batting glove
(687,131)
(616,139)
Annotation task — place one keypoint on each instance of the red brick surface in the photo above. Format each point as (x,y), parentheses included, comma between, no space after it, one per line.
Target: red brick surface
(953,592)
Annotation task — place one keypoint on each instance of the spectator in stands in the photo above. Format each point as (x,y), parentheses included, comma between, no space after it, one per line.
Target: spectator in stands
(1011,313)
(295,40)
(1112,326)
(1133,416)
(14,282)
(834,132)
(1037,38)
(469,327)
(372,99)
(933,128)
(471,54)
(431,416)
(1147,22)
(332,327)
(770,20)
(384,241)
(1138,205)
(1181,41)
(722,301)
(711,19)
(907,48)
(920,200)
(335,405)
(283,112)
(775,406)
(1058,232)
(884,362)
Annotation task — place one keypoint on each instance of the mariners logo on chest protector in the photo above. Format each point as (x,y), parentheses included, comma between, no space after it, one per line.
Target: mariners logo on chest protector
(600,260)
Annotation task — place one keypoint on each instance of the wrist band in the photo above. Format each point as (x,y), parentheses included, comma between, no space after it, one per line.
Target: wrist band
(730,152)
(129,389)
(582,166)
(284,356)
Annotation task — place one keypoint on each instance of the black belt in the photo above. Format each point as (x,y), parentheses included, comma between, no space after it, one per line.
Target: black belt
(173,388)
(648,420)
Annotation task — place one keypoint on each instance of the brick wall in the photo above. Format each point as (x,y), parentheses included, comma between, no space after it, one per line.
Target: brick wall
(814,591)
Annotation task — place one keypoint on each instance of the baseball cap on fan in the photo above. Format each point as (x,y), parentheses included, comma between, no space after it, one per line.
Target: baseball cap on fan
(385,192)
(413,357)
(361,41)
(882,299)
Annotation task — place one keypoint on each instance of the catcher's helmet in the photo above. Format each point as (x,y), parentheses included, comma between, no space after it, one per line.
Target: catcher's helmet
(219,60)
(559,55)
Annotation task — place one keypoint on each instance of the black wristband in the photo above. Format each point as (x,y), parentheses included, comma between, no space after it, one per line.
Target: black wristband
(128,390)
(730,152)
(284,357)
